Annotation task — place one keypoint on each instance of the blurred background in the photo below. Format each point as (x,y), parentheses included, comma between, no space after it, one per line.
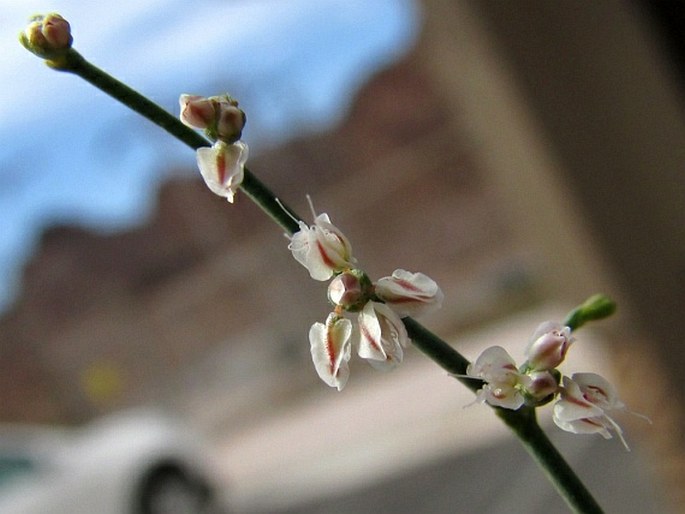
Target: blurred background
(525,155)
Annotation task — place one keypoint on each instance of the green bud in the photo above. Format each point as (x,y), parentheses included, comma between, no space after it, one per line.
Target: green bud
(594,308)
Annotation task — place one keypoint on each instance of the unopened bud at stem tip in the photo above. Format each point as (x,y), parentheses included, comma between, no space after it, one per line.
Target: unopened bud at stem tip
(47,36)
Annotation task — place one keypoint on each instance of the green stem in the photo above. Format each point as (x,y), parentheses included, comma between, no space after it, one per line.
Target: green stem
(75,63)
(273,207)
(522,421)
(442,353)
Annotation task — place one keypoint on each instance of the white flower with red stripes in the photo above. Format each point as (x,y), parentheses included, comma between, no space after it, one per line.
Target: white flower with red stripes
(222,167)
(321,248)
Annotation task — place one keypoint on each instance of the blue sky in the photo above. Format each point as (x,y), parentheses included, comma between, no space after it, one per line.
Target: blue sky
(71,154)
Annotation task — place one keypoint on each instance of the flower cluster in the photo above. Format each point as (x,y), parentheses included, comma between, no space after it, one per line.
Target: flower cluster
(584,400)
(223,164)
(378,335)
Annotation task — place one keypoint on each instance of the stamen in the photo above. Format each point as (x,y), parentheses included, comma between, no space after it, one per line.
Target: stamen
(618,430)
(287,212)
(311,206)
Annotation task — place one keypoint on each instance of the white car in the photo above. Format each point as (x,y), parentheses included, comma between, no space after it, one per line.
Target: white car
(133,463)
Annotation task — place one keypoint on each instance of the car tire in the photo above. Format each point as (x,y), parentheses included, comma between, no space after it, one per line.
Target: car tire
(169,489)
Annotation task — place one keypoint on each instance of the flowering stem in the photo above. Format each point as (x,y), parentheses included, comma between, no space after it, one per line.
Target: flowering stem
(73,62)
(523,421)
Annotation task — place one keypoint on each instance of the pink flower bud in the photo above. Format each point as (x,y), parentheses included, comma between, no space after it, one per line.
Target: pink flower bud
(540,385)
(409,294)
(197,111)
(47,36)
(57,31)
(548,346)
(350,290)
(219,116)
(230,122)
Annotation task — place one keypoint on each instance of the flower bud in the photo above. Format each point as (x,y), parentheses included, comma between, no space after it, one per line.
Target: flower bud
(540,387)
(548,346)
(350,290)
(47,36)
(196,111)
(230,123)
(219,116)
(594,308)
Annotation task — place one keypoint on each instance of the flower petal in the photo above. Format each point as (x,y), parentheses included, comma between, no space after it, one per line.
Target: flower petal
(382,336)
(222,167)
(597,390)
(331,348)
(500,395)
(196,111)
(409,294)
(592,425)
(494,365)
(321,248)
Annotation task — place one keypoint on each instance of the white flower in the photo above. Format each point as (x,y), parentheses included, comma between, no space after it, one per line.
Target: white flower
(330,345)
(586,400)
(321,248)
(409,294)
(493,365)
(381,336)
(548,346)
(223,167)
(503,382)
